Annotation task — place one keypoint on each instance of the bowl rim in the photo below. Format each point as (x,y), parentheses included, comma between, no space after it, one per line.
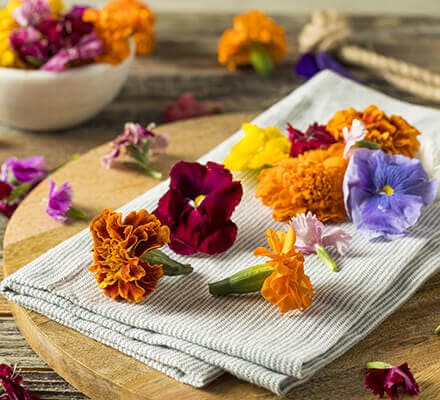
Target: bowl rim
(73,72)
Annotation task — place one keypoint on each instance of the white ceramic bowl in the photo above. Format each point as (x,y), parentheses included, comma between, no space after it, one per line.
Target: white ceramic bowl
(41,100)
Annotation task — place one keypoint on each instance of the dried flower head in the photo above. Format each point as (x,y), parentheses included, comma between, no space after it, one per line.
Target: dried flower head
(310,182)
(393,134)
(118,247)
(254,38)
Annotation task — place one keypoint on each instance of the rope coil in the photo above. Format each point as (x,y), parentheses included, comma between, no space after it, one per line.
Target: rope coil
(329,30)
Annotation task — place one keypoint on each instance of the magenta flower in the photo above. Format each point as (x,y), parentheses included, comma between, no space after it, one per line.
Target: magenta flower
(12,383)
(198,208)
(384,193)
(187,106)
(310,238)
(381,378)
(315,137)
(88,47)
(59,205)
(24,170)
(32,12)
(139,143)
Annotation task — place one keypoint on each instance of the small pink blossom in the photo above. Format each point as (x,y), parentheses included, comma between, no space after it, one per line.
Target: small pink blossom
(310,238)
(187,106)
(139,143)
(32,12)
(352,136)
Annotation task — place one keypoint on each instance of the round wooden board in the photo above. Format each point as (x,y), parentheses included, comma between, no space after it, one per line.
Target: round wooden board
(103,373)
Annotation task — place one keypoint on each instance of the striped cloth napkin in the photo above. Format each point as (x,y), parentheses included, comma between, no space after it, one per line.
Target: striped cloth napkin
(193,337)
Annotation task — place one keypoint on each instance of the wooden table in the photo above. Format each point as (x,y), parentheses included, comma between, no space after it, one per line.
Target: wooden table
(185,60)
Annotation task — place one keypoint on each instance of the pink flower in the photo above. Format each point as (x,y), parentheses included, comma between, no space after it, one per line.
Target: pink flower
(59,205)
(88,47)
(23,170)
(187,106)
(139,143)
(198,208)
(315,137)
(12,383)
(310,238)
(352,136)
(381,378)
(32,12)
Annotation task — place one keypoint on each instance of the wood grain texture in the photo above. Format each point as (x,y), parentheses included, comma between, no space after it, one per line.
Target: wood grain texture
(185,60)
(102,373)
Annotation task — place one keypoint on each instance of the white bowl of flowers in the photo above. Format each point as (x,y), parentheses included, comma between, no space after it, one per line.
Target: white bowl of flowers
(60,69)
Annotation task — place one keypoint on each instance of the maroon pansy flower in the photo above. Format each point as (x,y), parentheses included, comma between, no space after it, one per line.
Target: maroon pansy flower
(381,378)
(12,382)
(198,208)
(315,137)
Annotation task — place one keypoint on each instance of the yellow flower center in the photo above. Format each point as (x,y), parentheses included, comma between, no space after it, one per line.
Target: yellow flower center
(388,190)
(199,199)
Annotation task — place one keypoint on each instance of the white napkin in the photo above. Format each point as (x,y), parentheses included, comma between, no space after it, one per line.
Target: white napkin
(193,337)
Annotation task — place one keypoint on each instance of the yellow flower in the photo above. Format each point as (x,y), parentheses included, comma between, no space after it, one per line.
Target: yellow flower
(260,147)
(255,39)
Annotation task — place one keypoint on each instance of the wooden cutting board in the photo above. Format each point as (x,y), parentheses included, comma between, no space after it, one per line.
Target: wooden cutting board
(103,373)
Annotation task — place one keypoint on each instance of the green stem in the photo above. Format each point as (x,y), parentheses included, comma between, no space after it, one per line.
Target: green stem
(152,172)
(326,258)
(19,191)
(367,144)
(377,365)
(170,266)
(245,281)
(76,213)
(437,330)
(261,60)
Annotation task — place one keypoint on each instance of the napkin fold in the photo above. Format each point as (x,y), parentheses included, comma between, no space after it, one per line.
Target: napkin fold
(193,337)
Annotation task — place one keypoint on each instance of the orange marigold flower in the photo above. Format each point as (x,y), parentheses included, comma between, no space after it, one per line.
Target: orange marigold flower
(288,286)
(118,247)
(394,134)
(252,31)
(310,182)
(116,23)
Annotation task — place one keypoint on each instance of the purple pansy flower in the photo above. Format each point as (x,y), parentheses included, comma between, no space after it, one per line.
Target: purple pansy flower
(88,47)
(198,208)
(23,170)
(32,12)
(381,378)
(140,143)
(12,383)
(309,64)
(385,193)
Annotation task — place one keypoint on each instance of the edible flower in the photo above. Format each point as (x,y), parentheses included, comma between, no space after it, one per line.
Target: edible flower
(32,12)
(23,170)
(127,262)
(393,134)
(59,205)
(88,47)
(255,39)
(381,378)
(309,64)
(310,238)
(140,143)
(187,106)
(315,137)
(12,385)
(259,147)
(198,208)
(116,22)
(281,280)
(385,193)
(310,182)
